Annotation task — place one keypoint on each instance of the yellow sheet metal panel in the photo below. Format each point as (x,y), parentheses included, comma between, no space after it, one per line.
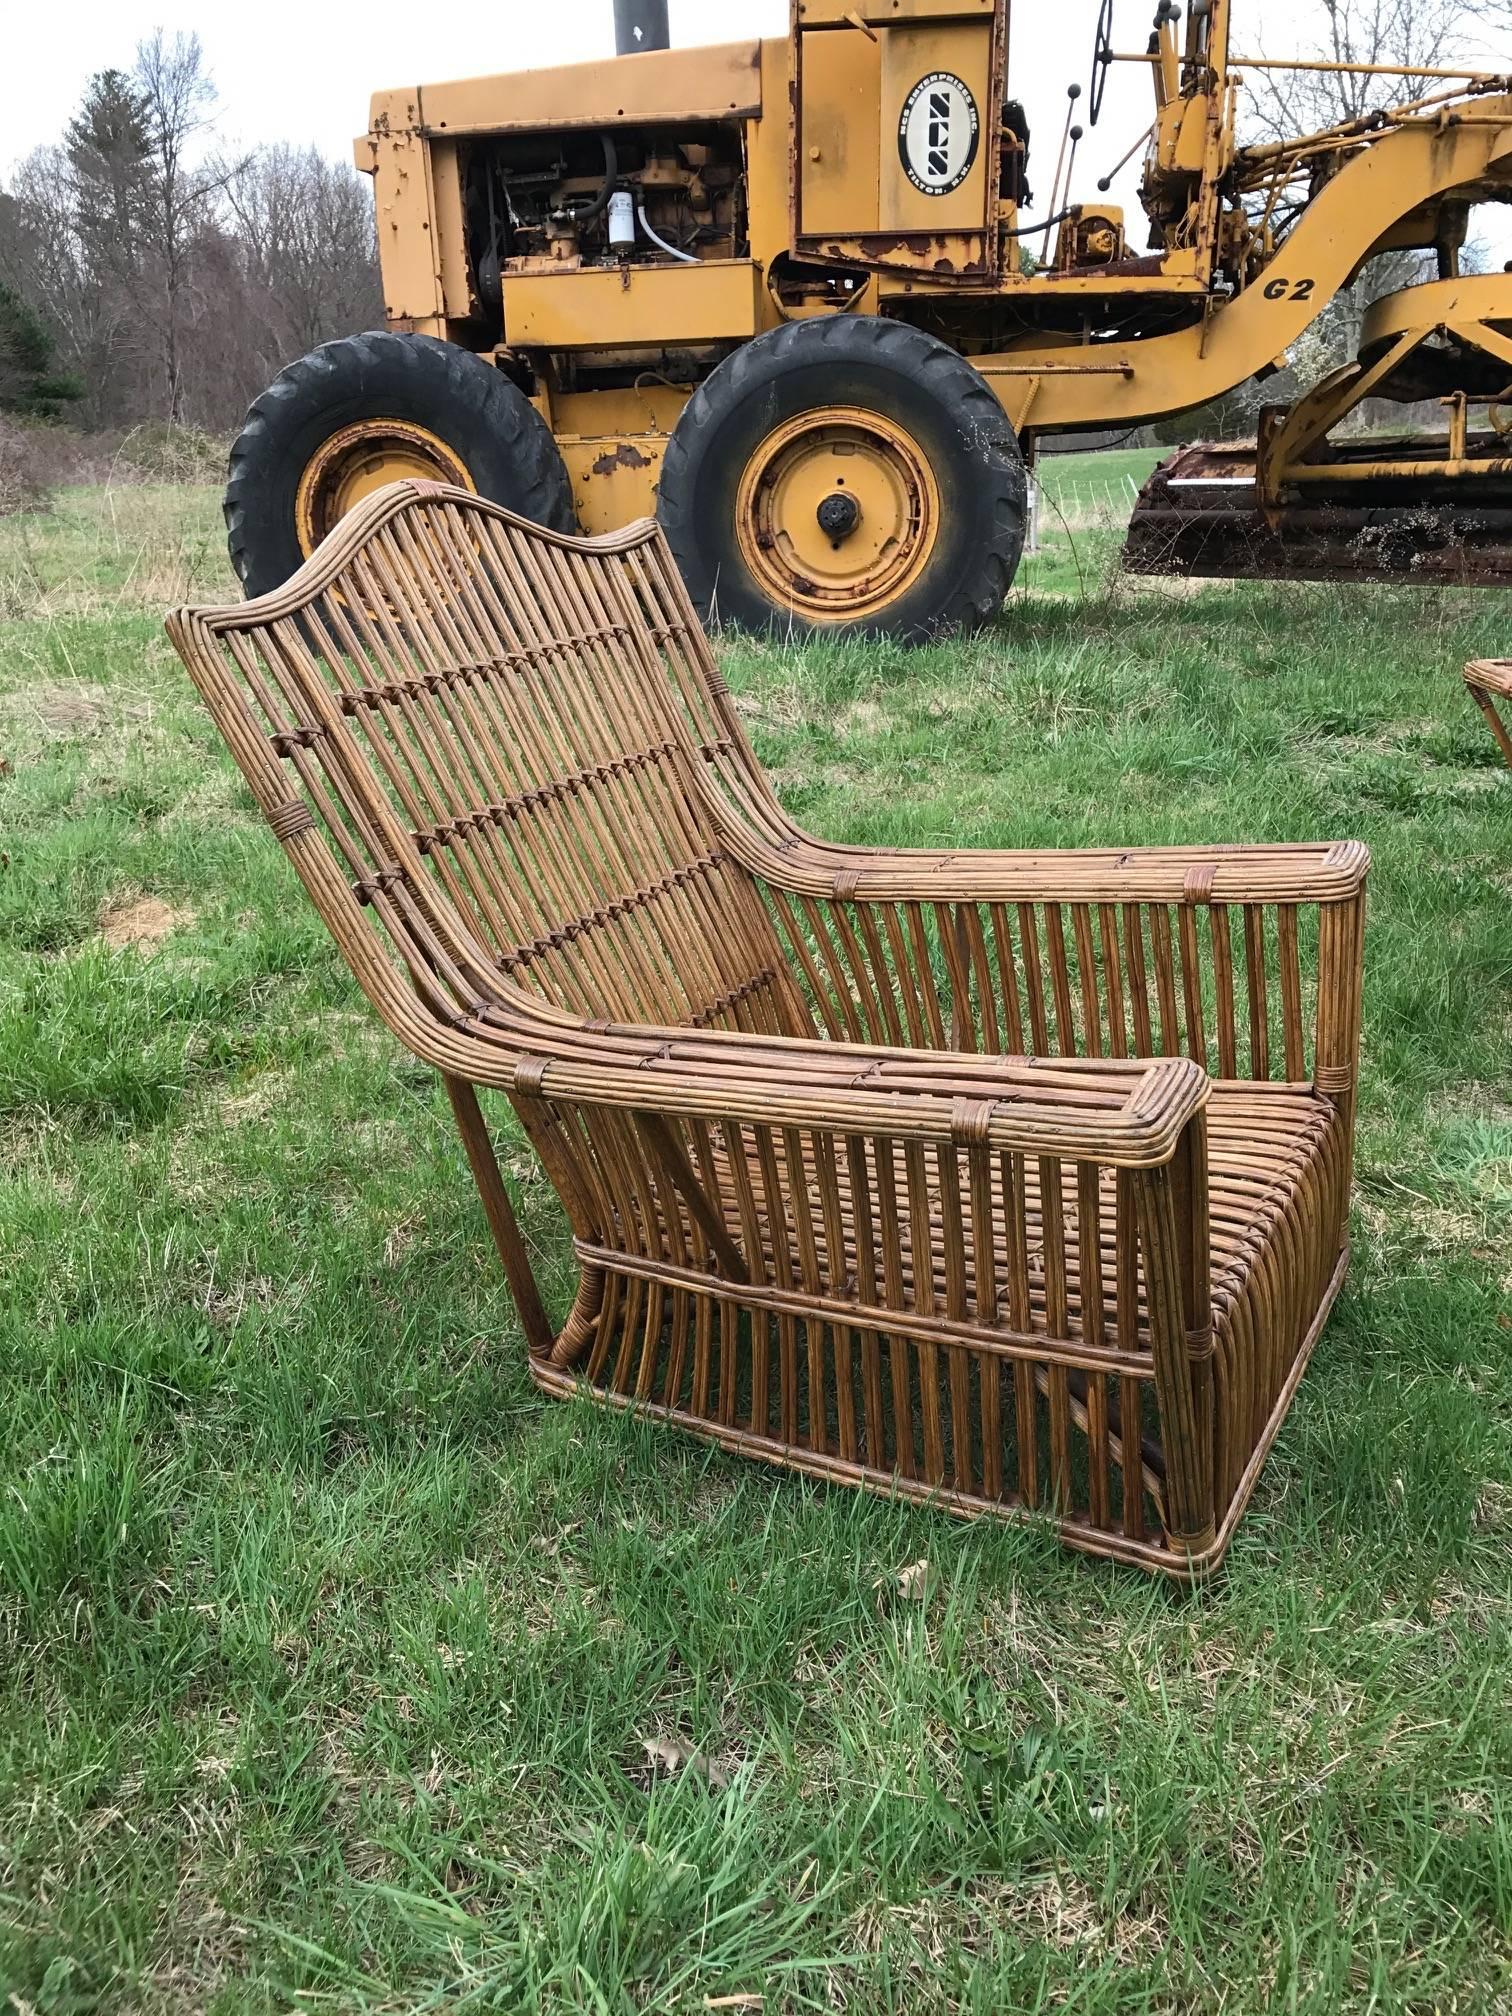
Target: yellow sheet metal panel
(450,229)
(839,150)
(652,407)
(683,85)
(1474,297)
(614,478)
(407,249)
(632,307)
(769,165)
(941,125)
(812,13)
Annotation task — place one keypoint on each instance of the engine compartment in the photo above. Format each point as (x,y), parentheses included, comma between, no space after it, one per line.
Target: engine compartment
(564,201)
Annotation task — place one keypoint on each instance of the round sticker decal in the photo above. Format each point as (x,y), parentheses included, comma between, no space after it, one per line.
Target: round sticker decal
(937,134)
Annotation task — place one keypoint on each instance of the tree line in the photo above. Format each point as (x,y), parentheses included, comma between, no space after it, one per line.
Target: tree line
(148,276)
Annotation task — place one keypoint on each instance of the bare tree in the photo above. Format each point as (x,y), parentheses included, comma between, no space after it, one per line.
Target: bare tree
(43,259)
(1416,36)
(1385,51)
(178,99)
(1493,29)
(309,250)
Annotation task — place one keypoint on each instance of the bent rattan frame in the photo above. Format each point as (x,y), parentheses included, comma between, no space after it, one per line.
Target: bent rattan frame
(1012,1181)
(1490,680)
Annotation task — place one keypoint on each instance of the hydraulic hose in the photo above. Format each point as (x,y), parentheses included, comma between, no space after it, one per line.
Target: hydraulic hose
(687,258)
(1028,230)
(600,202)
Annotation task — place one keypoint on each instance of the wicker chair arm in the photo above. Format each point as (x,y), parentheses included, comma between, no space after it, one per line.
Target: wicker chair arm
(1328,872)
(1208,913)
(1122,1114)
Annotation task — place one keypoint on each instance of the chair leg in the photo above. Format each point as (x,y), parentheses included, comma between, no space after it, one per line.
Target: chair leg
(1174,1267)
(500,1214)
(1494,721)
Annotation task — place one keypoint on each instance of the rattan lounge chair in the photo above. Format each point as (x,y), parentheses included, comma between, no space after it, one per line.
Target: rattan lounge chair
(903,1169)
(1490,680)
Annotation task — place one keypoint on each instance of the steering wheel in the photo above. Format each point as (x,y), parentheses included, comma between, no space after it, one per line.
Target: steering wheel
(1102,56)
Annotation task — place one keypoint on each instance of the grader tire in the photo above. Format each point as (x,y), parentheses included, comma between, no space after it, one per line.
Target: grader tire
(845,474)
(364,410)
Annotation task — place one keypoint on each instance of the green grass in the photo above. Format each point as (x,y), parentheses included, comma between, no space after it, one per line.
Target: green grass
(329,1651)
(1099,467)
(1093,491)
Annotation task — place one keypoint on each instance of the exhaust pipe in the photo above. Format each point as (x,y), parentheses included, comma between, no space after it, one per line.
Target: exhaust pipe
(640,24)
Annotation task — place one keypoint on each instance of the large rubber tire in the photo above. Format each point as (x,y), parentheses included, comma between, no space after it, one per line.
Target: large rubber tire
(883,367)
(487,422)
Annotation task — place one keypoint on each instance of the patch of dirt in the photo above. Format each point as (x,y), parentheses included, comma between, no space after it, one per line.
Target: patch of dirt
(1475,1099)
(69,710)
(864,717)
(141,921)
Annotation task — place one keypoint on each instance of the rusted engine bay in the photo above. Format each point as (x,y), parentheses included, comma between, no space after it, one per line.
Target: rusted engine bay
(541,202)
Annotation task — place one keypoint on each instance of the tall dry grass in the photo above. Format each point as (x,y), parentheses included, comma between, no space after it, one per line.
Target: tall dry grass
(120,544)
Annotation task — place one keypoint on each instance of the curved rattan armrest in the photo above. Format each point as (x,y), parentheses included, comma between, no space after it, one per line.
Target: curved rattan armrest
(1490,675)
(1321,872)
(1126,1114)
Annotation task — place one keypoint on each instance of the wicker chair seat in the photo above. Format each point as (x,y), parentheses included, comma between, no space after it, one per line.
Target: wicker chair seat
(1272,1151)
(835,1129)
(1265,1148)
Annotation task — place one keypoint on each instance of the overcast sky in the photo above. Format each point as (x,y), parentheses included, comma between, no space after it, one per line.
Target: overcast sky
(303,70)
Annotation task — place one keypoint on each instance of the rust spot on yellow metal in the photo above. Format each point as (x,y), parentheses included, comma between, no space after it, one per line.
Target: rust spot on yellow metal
(623,455)
(614,461)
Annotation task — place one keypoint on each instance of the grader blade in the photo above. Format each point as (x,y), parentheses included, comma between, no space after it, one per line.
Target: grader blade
(1198,516)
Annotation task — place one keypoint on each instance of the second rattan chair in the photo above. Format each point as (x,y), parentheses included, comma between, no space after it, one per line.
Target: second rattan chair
(1012,1181)
(1490,680)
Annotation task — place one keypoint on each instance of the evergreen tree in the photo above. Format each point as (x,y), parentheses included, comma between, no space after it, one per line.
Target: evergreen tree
(109,148)
(30,383)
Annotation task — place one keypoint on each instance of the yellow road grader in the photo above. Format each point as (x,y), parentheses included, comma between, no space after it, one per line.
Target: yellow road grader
(795,298)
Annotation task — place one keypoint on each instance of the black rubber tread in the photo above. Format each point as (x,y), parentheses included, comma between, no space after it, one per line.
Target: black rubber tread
(508,449)
(888,367)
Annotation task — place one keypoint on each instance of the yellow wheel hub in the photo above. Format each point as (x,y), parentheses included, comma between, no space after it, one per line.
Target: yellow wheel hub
(360,459)
(837,514)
